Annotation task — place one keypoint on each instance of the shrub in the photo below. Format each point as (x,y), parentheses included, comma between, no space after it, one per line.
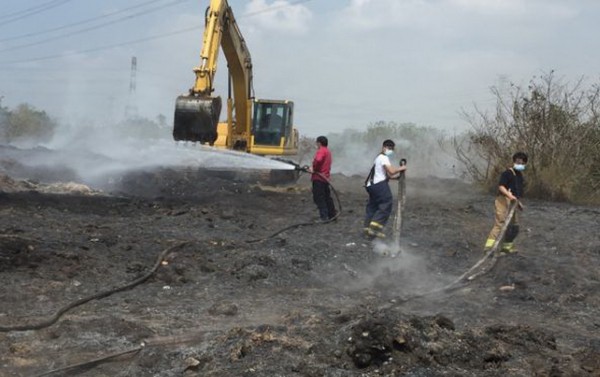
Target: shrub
(556,124)
(143,128)
(25,124)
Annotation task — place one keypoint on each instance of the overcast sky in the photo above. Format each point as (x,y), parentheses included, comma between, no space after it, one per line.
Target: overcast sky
(345,63)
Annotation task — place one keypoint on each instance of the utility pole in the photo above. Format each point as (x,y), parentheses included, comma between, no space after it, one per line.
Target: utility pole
(131,108)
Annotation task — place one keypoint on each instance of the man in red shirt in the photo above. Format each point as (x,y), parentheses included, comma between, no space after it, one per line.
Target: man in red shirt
(321,169)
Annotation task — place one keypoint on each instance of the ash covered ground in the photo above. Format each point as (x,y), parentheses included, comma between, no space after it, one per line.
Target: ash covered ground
(312,301)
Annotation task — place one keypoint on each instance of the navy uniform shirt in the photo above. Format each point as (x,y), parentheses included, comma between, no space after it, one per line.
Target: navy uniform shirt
(513,181)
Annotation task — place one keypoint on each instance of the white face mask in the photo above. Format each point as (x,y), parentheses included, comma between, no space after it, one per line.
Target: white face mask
(388,152)
(519,167)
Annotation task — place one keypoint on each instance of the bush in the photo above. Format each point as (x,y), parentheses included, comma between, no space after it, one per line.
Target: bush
(25,124)
(3,124)
(143,128)
(556,124)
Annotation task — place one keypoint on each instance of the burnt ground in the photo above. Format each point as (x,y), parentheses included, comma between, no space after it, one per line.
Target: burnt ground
(313,301)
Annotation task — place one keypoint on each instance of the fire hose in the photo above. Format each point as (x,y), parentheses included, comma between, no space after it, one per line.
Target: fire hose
(468,275)
(306,169)
(99,295)
(475,271)
(96,296)
(135,350)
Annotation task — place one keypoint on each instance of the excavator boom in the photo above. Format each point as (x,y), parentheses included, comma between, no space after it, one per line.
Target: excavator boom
(270,131)
(197,114)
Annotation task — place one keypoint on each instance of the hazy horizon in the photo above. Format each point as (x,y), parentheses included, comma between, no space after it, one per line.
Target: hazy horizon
(345,64)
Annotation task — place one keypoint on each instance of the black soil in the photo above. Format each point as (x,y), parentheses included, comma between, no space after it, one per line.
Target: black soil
(312,301)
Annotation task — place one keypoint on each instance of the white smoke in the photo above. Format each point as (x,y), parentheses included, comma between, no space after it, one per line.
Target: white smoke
(425,149)
(96,151)
(386,248)
(399,270)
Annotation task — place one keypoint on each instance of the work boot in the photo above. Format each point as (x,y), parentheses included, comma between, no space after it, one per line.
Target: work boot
(375,225)
(376,229)
(380,235)
(369,233)
(508,248)
(488,244)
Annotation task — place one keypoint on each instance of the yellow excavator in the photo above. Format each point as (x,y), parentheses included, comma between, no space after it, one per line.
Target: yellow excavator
(258,126)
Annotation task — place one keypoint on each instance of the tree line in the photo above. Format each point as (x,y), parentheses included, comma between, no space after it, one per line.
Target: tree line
(557,124)
(25,123)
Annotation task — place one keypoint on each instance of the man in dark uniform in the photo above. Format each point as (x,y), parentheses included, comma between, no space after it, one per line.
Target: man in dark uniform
(381,201)
(510,188)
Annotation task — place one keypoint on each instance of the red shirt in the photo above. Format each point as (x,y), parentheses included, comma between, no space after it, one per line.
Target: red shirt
(321,164)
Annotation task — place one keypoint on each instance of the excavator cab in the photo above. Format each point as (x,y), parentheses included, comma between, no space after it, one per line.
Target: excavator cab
(272,129)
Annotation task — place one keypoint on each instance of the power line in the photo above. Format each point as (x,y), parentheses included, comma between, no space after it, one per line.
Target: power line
(141,40)
(107,47)
(78,32)
(20,12)
(82,22)
(32,11)
(274,8)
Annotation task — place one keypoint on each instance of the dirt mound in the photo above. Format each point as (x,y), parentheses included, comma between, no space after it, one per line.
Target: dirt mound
(396,345)
(10,185)
(7,184)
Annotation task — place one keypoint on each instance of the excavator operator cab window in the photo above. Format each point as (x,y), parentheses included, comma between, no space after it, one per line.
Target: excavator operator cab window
(270,121)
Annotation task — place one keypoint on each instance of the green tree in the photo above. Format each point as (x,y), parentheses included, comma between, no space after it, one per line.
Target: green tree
(161,120)
(144,128)
(3,124)
(25,123)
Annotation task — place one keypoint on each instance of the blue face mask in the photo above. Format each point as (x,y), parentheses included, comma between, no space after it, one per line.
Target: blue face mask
(519,167)
(388,152)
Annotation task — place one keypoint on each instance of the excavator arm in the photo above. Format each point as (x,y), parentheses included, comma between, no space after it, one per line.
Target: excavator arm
(263,127)
(197,114)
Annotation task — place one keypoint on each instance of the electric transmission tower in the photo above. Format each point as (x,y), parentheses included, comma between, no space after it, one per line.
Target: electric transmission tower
(131,108)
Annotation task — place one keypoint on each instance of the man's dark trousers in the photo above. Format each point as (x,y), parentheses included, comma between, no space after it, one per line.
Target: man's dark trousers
(379,207)
(322,198)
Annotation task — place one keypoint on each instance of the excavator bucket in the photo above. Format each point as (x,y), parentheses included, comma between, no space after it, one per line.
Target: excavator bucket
(196,119)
